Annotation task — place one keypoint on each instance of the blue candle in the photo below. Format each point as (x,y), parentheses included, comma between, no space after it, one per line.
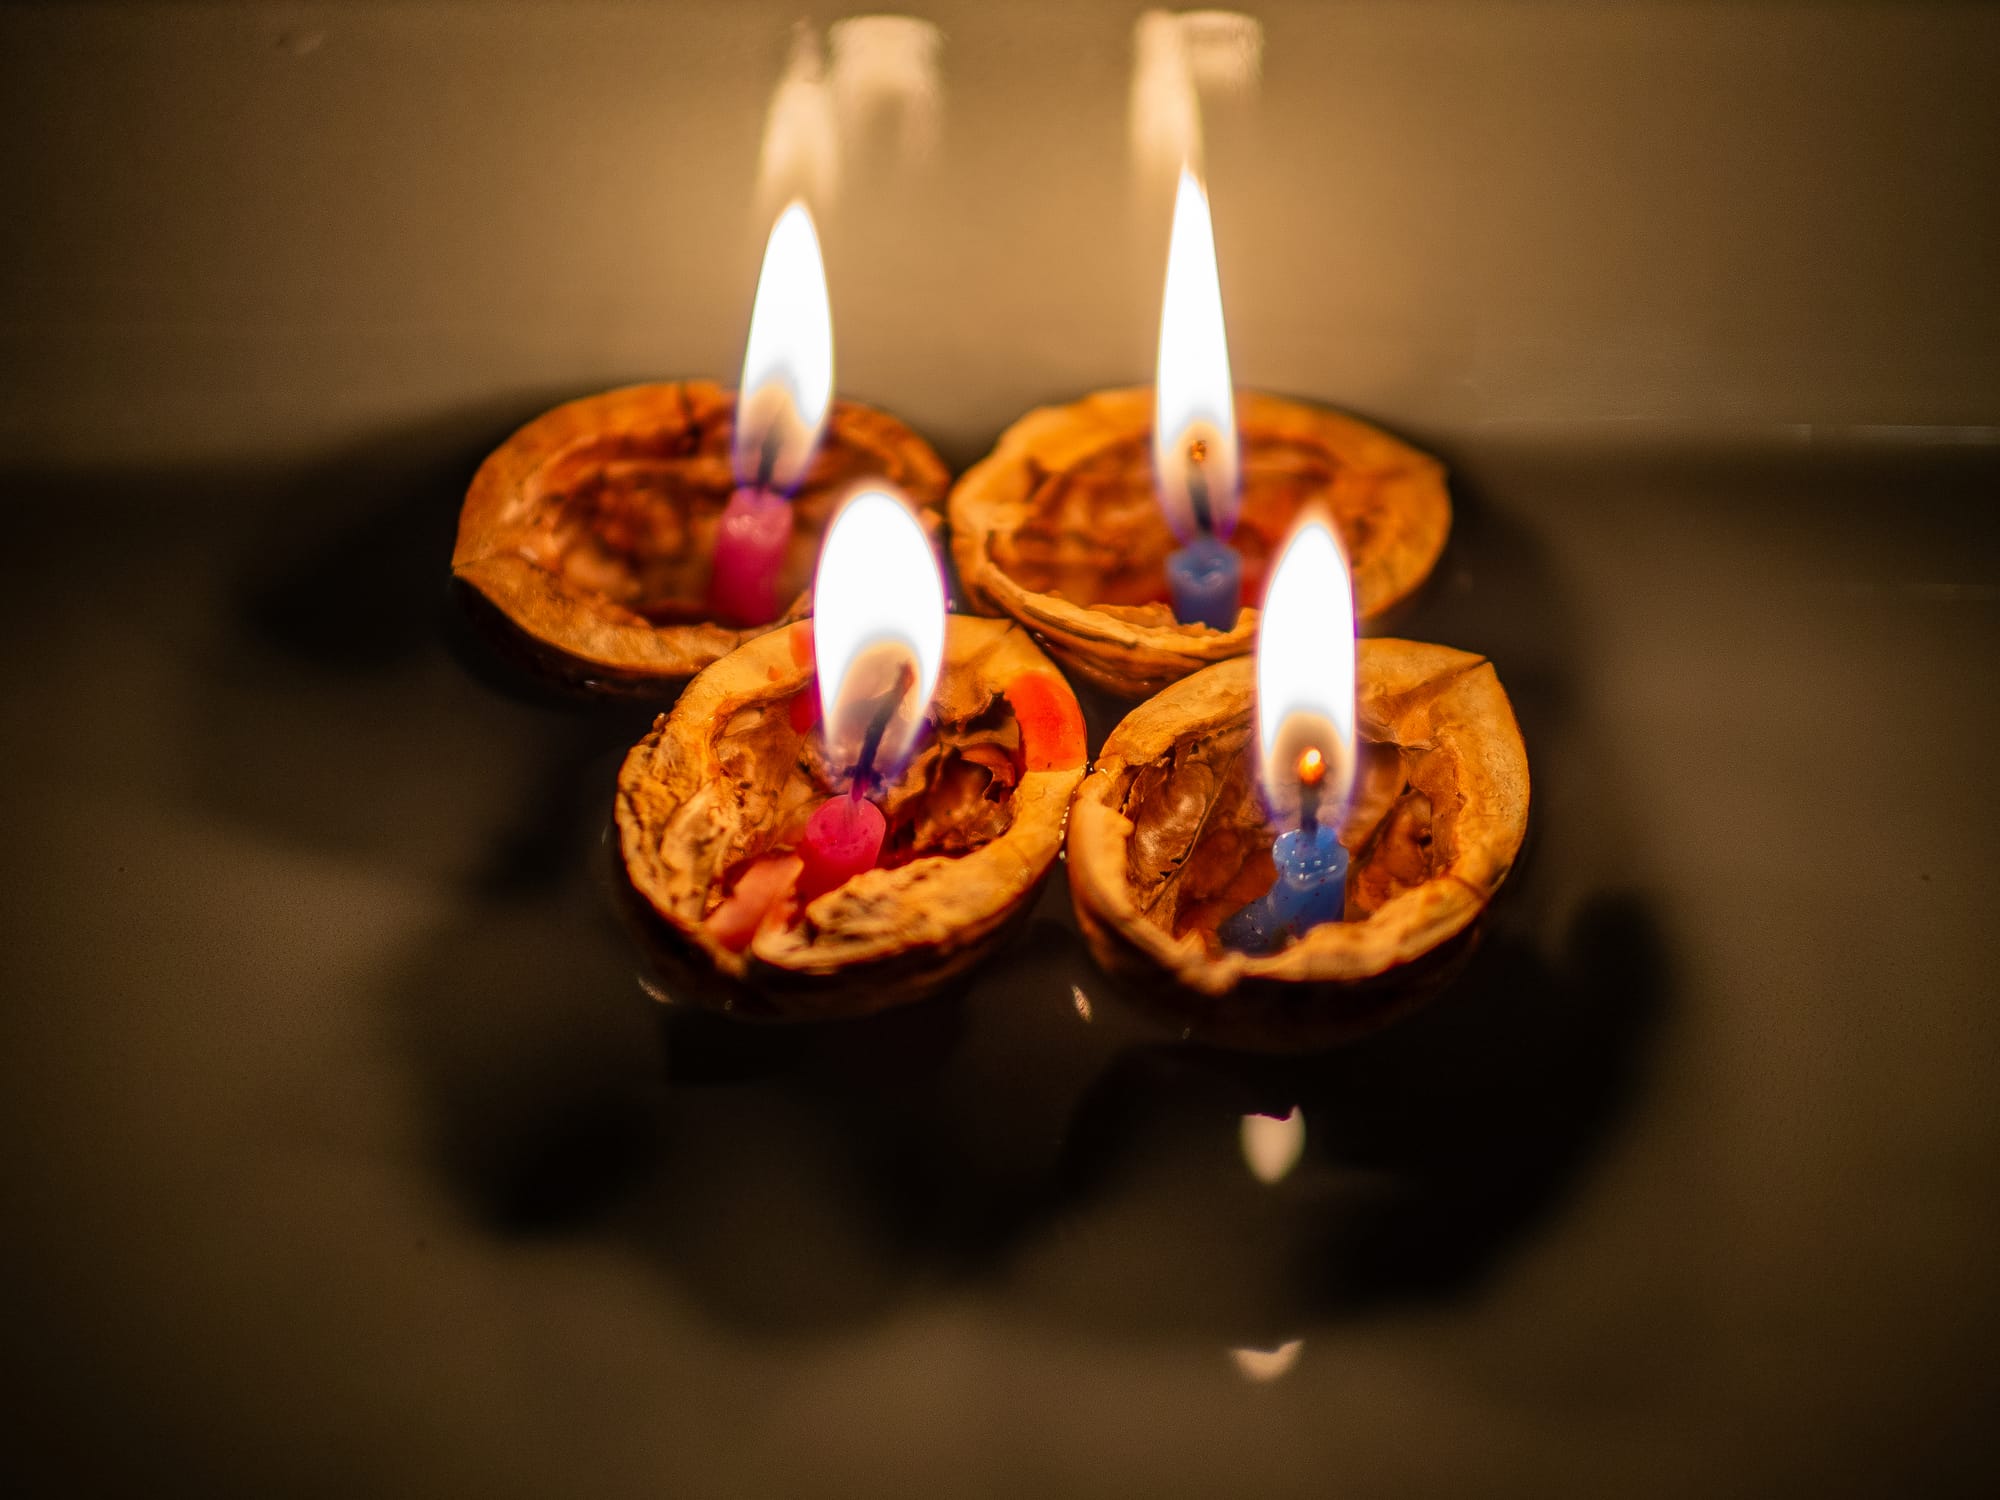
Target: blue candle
(1311,888)
(1312,879)
(1207,580)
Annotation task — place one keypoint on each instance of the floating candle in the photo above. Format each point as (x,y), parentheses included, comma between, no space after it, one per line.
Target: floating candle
(780,412)
(1194,422)
(975,827)
(1305,731)
(878,643)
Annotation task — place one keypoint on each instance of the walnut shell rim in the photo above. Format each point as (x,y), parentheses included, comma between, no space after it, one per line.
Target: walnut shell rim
(887,937)
(1340,978)
(578,635)
(990,501)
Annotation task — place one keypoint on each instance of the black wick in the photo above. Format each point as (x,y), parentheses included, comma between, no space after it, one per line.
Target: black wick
(885,704)
(767,457)
(1197,483)
(1309,792)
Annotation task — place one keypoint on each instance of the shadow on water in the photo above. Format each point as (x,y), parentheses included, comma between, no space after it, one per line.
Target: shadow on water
(350,703)
(792,1178)
(344,561)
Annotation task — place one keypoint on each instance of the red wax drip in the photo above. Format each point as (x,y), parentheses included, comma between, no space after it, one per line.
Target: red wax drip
(843,837)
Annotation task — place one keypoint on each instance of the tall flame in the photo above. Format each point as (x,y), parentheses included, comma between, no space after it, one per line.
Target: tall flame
(1194,404)
(788,362)
(878,632)
(1305,677)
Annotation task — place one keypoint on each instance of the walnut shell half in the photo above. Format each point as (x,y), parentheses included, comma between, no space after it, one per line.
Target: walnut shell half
(729,777)
(1167,838)
(590,530)
(1058,527)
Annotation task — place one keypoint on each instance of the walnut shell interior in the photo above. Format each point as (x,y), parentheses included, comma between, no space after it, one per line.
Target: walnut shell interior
(1167,836)
(591,529)
(1058,527)
(730,776)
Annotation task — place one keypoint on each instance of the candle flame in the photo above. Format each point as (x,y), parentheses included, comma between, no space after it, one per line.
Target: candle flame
(878,634)
(1305,678)
(1194,404)
(788,361)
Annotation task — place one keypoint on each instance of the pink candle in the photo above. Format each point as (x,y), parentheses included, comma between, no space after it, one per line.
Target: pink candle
(843,838)
(749,552)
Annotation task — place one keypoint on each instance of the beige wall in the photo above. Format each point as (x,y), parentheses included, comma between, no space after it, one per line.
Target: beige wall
(262,229)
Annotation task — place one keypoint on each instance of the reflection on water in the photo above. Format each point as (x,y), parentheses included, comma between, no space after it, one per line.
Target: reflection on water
(872,79)
(1273,1146)
(885,72)
(1178,58)
(1194,1196)
(800,155)
(1262,1366)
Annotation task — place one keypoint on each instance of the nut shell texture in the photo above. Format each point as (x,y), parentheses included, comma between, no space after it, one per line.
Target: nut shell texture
(1167,838)
(1058,527)
(589,531)
(730,775)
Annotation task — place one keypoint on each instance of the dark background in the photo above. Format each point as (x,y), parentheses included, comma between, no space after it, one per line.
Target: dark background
(345,1149)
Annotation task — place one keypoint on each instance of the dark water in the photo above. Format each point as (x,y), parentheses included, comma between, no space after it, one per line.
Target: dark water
(349,1153)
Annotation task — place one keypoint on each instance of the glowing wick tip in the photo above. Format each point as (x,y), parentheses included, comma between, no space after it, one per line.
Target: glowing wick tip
(1312,767)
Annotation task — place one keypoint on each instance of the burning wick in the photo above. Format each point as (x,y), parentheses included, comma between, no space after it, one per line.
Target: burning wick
(1312,771)
(1206,575)
(865,779)
(1311,887)
(767,458)
(787,385)
(1198,487)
